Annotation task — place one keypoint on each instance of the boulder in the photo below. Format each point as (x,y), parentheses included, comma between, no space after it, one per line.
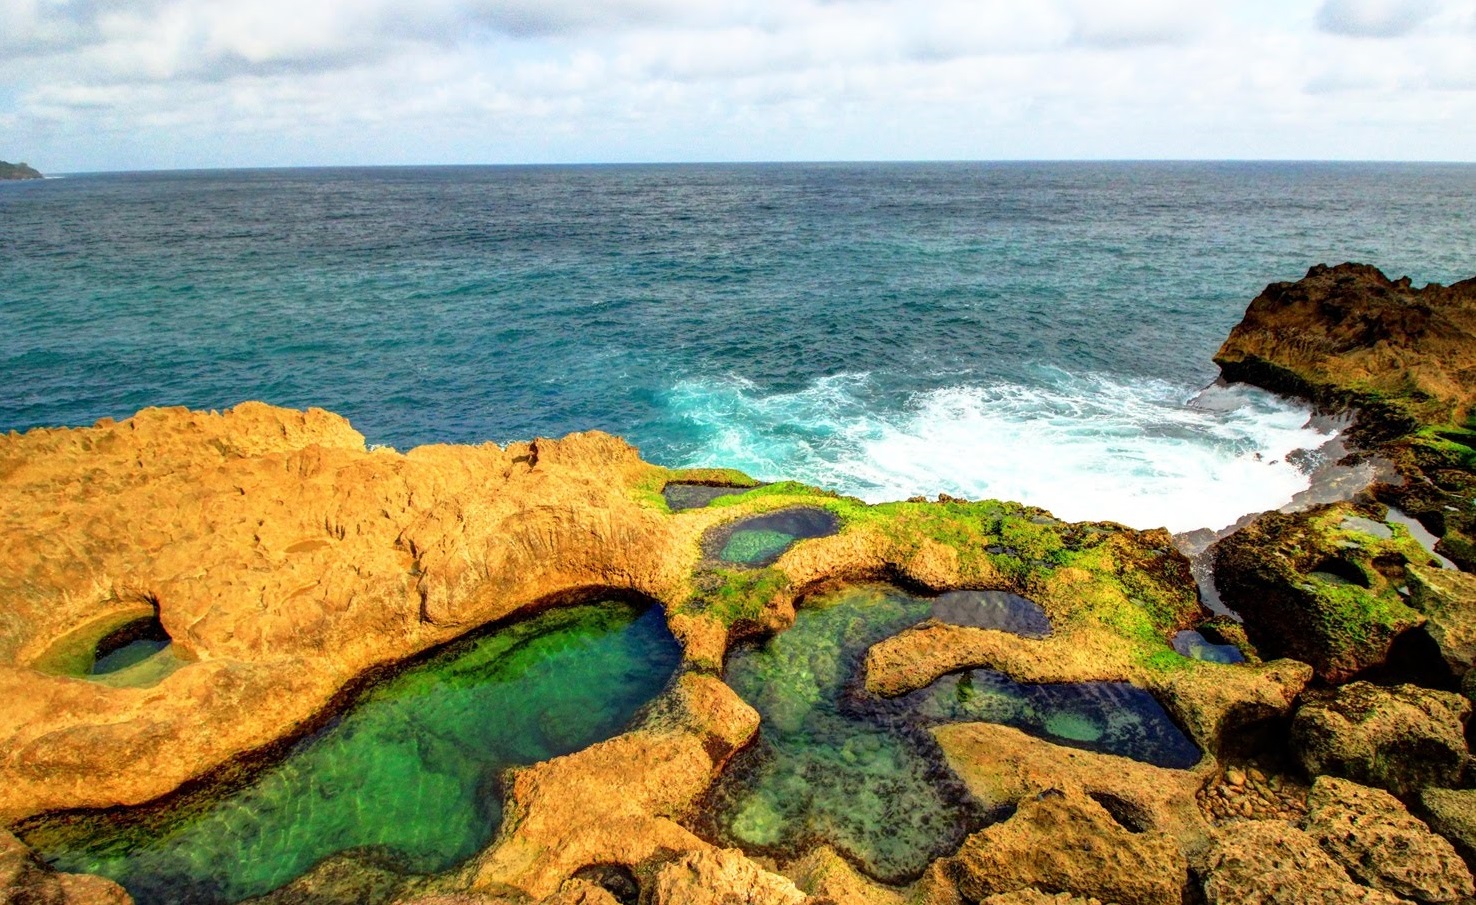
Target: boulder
(1371,834)
(1271,862)
(1401,739)
(1070,843)
(24,880)
(1447,598)
(1314,586)
(1452,814)
(721,877)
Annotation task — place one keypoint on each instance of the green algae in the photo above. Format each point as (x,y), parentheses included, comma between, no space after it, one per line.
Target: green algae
(410,770)
(834,764)
(760,540)
(755,546)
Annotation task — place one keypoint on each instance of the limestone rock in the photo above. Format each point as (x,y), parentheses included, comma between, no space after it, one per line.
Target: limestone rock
(1401,739)
(1036,897)
(1373,836)
(1452,814)
(822,874)
(1070,843)
(1350,335)
(283,559)
(24,880)
(1448,600)
(1001,766)
(721,877)
(1315,589)
(1270,862)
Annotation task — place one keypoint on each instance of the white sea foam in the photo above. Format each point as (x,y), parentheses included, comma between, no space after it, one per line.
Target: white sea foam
(1093,447)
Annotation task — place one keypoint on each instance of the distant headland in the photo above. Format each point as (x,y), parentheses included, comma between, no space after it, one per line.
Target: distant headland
(18,171)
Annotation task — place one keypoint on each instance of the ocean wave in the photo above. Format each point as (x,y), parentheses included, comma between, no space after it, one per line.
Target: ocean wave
(1144,453)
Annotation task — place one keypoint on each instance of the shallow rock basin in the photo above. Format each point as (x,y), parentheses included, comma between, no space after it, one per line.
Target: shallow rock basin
(993,609)
(410,769)
(761,540)
(1195,646)
(681,496)
(834,764)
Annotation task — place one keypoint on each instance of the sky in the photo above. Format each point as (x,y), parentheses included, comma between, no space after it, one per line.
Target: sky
(88,85)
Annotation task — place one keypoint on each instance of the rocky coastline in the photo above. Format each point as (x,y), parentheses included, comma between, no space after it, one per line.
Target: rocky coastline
(277,566)
(13,171)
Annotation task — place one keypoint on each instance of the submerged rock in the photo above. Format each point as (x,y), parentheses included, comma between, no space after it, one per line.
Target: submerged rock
(1379,843)
(1070,843)
(1402,739)
(24,880)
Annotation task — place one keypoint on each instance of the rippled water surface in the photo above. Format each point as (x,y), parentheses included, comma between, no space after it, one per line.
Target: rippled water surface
(410,772)
(1024,331)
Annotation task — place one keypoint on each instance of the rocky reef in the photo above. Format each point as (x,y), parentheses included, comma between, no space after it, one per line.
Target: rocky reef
(915,702)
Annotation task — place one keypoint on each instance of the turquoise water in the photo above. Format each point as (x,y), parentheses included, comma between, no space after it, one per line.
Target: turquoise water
(881,329)
(410,770)
(837,765)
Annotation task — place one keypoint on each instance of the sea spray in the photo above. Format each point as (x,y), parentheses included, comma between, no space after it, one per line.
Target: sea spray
(1086,447)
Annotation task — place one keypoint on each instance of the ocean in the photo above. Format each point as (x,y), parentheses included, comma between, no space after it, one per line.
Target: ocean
(1026,331)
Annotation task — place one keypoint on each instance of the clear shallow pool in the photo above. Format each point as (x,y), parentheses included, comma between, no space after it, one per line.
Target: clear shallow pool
(835,764)
(762,539)
(410,769)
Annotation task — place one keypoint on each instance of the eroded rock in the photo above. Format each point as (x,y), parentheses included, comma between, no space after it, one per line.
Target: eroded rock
(1314,589)
(1270,862)
(1447,598)
(1070,843)
(1371,834)
(1452,814)
(721,877)
(1401,739)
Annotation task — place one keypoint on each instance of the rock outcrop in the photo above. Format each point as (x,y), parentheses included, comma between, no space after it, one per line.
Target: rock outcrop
(1269,862)
(1069,843)
(1321,586)
(12,171)
(1349,336)
(1369,832)
(1402,739)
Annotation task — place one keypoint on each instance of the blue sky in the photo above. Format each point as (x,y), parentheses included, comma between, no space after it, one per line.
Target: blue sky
(143,84)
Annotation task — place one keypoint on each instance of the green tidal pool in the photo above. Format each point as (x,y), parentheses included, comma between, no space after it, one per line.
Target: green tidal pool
(834,764)
(409,771)
(762,539)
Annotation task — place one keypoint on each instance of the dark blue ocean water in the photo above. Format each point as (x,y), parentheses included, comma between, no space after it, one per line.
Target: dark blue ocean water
(1023,330)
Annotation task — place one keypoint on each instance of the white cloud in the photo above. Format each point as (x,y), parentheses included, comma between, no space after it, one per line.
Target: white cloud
(196,82)
(1375,18)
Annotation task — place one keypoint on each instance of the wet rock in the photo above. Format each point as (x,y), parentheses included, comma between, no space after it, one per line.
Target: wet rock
(1448,600)
(24,880)
(1452,814)
(1271,862)
(721,877)
(1379,843)
(607,803)
(1072,844)
(1401,739)
(1316,591)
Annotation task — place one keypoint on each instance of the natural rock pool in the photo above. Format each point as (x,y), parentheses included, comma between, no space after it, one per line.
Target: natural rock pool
(681,495)
(838,765)
(762,539)
(410,769)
